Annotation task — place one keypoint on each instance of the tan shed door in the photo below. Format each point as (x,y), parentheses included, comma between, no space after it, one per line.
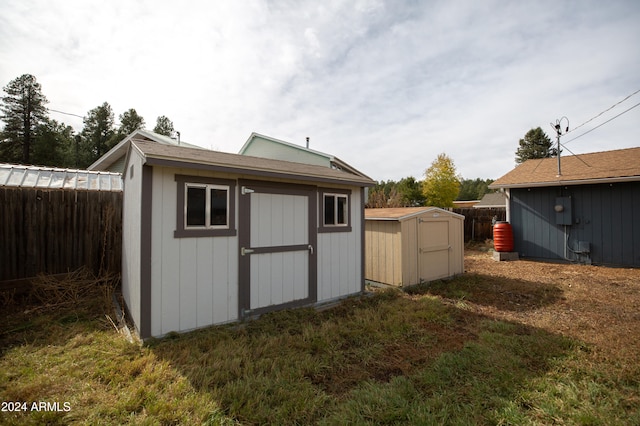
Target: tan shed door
(277,245)
(433,249)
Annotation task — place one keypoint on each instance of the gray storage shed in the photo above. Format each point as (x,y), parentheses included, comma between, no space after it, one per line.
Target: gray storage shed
(211,237)
(410,245)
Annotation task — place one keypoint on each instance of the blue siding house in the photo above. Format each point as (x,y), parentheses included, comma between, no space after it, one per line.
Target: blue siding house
(589,213)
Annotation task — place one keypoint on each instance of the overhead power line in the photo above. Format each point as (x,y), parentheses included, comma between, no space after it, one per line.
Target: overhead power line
(602,124)
(65,113)
(606,110)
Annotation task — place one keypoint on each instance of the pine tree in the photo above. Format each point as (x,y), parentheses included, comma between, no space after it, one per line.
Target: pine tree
(164,126)
(536,144)
(130,121)
(97,133)
(473,189)
(411,192)
(23,109)
(54,145)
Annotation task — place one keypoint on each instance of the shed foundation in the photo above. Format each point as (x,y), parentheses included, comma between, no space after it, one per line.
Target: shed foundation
(505,255)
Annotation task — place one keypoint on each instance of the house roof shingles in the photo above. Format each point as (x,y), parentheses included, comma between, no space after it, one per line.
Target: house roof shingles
(159,154)
(492,199)
(607,166)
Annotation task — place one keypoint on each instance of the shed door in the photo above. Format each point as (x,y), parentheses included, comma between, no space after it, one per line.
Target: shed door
(434,249)
(277,235)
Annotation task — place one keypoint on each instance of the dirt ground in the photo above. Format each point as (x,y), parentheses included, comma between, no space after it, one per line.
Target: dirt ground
(595,304)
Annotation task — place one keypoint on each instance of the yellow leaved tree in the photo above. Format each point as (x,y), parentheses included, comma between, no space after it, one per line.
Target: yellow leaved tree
(441,183)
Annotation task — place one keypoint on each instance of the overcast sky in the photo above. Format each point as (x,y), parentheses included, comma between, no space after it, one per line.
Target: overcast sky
(385,86)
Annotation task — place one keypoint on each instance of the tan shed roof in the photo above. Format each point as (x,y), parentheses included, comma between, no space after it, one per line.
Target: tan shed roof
(607,166)
(178,156)
(402,213)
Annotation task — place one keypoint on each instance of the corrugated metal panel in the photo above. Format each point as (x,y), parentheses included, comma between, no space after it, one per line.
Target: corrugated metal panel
(53,178)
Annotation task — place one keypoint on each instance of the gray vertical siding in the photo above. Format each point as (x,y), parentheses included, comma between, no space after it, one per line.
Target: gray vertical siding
(605,215)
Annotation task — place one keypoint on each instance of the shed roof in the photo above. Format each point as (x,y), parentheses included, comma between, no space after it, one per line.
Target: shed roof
(608,166)
(404,213)
(54,178)
(120,150)
(179,156)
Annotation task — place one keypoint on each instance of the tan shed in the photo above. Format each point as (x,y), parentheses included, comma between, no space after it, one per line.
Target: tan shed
(410,245)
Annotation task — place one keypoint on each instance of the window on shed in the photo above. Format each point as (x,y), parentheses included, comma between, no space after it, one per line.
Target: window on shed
(219,200)
(335,211)
(329,210)
(196,202)
(341,210)
(207,206)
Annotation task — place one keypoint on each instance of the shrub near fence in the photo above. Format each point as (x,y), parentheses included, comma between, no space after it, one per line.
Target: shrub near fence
(478,222)
(56,231)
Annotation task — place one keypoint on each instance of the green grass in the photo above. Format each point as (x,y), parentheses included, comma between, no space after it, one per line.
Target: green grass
(393,358)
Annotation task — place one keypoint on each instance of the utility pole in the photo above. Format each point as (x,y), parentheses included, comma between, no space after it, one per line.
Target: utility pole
(558,130)
(558,150)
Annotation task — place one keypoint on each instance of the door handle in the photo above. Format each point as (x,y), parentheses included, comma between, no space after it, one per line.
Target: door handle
(310,249)
(244,251)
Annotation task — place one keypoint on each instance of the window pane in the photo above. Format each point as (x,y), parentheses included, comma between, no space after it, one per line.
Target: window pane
(218,207)
(329,210)
(196,206)
(342,210)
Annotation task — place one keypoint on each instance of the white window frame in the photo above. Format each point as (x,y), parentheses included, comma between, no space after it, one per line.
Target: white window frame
(335,197)
(207,205)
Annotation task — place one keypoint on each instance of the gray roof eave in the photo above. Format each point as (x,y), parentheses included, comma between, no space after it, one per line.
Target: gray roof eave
(566,182)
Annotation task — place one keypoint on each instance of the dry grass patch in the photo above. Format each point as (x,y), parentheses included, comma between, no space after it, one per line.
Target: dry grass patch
(594,304)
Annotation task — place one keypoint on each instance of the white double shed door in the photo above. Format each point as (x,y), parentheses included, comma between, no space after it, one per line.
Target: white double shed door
(277,233)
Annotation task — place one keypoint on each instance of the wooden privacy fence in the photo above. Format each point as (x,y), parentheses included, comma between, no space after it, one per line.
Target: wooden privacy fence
(478,222)
(54,231)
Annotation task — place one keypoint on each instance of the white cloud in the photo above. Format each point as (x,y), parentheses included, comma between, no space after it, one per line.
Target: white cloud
(386,86)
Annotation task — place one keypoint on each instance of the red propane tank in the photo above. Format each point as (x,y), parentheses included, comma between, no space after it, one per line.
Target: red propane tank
(502,236)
